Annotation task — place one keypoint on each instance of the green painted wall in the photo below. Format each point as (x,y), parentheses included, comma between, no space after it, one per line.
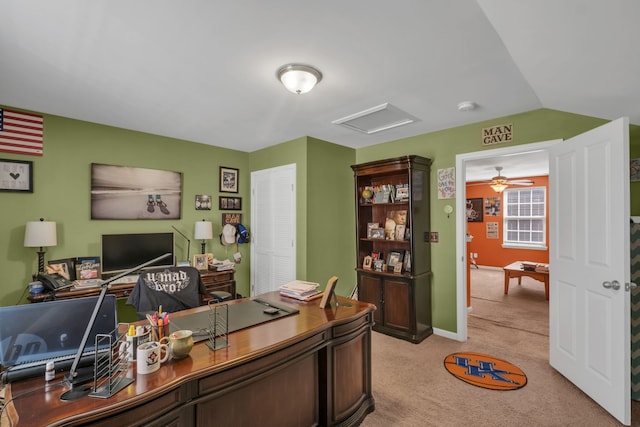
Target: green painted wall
(325,216)
(62,194)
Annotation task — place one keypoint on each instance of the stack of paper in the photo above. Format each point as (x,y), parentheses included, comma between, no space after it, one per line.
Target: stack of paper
(299,289)
(217,265)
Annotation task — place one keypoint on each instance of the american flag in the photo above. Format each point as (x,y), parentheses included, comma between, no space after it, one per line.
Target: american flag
(20,133)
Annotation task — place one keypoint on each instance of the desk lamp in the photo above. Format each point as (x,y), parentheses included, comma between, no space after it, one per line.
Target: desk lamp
(40,234)
(203,231)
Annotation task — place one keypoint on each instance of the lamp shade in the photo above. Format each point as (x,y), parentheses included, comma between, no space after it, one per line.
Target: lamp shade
(299,78)
(40,234)
(203,230)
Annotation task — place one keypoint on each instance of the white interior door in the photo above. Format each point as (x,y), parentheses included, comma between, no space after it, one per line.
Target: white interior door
(273,228)
(589,319)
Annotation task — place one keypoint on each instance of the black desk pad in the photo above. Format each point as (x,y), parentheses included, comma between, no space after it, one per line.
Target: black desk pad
(241,315)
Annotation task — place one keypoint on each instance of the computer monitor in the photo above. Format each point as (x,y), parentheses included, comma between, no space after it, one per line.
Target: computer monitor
(121,252)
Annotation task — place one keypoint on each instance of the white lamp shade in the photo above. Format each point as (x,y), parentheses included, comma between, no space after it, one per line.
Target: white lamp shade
(40,234)
(203,230)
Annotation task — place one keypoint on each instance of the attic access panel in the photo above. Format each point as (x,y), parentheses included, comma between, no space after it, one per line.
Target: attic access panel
(376,119)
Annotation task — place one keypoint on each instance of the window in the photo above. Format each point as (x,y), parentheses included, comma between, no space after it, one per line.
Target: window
(525,217)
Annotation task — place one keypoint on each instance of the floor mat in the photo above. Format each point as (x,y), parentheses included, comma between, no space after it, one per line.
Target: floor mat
(485,371)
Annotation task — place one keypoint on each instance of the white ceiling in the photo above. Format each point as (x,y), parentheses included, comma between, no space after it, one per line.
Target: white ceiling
(204,70)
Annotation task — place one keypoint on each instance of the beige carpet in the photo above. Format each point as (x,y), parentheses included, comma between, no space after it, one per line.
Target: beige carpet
(412,388)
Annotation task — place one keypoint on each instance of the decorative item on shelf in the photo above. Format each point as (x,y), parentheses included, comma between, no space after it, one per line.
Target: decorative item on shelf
(378,264)
(402,192)
(64,267)
(200,262)
(367,195)
(367,262)
(395,257)
(382,193)
(390,229)
(370,227)
(40,234)
(203,231)
(377,233)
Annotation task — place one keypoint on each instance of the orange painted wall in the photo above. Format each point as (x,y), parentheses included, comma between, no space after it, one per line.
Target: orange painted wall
(490,251)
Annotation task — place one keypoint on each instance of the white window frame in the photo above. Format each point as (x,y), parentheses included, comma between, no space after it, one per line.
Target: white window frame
(506,217)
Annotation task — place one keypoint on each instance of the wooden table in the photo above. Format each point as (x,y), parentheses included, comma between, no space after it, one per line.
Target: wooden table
(515,270)
(309,368)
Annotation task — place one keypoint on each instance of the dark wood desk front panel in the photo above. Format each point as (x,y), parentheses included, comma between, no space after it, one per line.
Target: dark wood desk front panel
(311,368)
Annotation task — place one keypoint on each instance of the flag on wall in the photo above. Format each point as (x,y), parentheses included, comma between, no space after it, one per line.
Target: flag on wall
(21,133)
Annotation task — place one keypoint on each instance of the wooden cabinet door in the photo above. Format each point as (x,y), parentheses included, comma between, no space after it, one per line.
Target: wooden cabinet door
(370,291)
(397,312)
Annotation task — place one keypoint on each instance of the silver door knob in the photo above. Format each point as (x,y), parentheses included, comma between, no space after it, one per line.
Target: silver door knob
(606,285)
(615,285)
(629,286)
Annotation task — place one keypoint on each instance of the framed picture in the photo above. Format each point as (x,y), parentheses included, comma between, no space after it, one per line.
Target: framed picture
(230,203)
(474,210)
(328,293)
(16,175)
(231,218)
(209,258)
(88,268)
(378,264)
(634,169)
(377,233)
(371,226)
(64,267)
(200,262)
(376,255)
(203,202)
(395,256)
(228,180)
(367,263)
(124,192)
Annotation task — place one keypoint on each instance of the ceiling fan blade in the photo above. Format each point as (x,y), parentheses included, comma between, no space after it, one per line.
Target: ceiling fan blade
(523,183)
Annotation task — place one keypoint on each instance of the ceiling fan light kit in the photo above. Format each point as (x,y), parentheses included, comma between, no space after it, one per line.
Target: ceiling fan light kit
(299,78)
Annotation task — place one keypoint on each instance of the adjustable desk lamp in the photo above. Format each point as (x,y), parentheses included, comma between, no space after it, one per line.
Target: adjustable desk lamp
(73,378)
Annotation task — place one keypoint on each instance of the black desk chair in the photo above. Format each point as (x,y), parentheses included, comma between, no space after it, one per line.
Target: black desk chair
(173,288)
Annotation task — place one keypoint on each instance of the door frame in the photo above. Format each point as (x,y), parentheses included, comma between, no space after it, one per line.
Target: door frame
(461,222)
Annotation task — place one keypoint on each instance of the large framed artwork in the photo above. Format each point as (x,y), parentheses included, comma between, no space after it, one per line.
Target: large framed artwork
(123,192)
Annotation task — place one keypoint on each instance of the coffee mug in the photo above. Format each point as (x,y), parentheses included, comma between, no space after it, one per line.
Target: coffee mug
(150,356)
(180,343)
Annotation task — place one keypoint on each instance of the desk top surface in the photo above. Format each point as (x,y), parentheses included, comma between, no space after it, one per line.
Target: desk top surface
(244,345)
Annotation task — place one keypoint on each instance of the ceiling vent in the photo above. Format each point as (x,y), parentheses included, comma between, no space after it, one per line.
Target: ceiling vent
(376,119)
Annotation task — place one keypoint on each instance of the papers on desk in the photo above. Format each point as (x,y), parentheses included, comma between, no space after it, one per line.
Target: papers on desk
(217,265)
(87,283)
(301,290)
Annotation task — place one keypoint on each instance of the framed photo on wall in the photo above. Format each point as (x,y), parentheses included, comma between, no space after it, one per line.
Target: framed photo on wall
(228,180)
(16,175)
(230,203)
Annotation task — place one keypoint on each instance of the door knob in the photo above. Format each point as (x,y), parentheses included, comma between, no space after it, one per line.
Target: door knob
(606,285)
(615,285)
(629,286)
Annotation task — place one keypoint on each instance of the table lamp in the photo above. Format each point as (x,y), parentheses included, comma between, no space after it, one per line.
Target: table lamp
(203,231)
(40,234)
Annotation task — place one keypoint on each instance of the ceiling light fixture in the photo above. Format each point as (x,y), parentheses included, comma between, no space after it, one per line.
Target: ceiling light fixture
(498,187)
(467,106)
(299,78)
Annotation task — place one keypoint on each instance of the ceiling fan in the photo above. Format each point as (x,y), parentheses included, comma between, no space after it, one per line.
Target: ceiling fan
(499,183)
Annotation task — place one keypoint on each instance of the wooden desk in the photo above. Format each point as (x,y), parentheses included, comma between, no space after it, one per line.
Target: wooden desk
(310,368)
(515,270)
(212,281)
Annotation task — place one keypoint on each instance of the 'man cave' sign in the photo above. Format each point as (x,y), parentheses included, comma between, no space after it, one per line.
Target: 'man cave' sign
(497,134)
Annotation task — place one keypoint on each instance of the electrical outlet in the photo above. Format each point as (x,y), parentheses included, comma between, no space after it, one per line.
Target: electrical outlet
(475,254)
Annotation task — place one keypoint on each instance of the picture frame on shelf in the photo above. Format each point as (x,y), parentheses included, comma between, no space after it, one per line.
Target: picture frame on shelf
(378,265)
(406,264)
(64,267)
(230,203)
(367,263)
(88,267)
(376,255)
(16,175)
(200,262)
(377,234)
(395,256)
(402,192)
(228,179)
(371,226)
(397,268)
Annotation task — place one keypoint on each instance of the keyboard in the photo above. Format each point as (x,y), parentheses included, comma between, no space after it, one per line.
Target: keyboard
(131,278)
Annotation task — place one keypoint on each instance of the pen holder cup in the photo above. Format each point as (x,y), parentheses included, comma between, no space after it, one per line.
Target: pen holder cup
(130,345)
(159,332)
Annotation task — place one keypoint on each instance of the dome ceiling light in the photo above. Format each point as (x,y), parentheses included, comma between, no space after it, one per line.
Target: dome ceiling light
(299,78)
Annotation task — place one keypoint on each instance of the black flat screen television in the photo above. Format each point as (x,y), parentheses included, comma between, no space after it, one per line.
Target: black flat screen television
(121,252)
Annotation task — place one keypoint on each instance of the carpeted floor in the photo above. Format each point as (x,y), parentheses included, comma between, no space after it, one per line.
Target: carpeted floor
(412,388)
